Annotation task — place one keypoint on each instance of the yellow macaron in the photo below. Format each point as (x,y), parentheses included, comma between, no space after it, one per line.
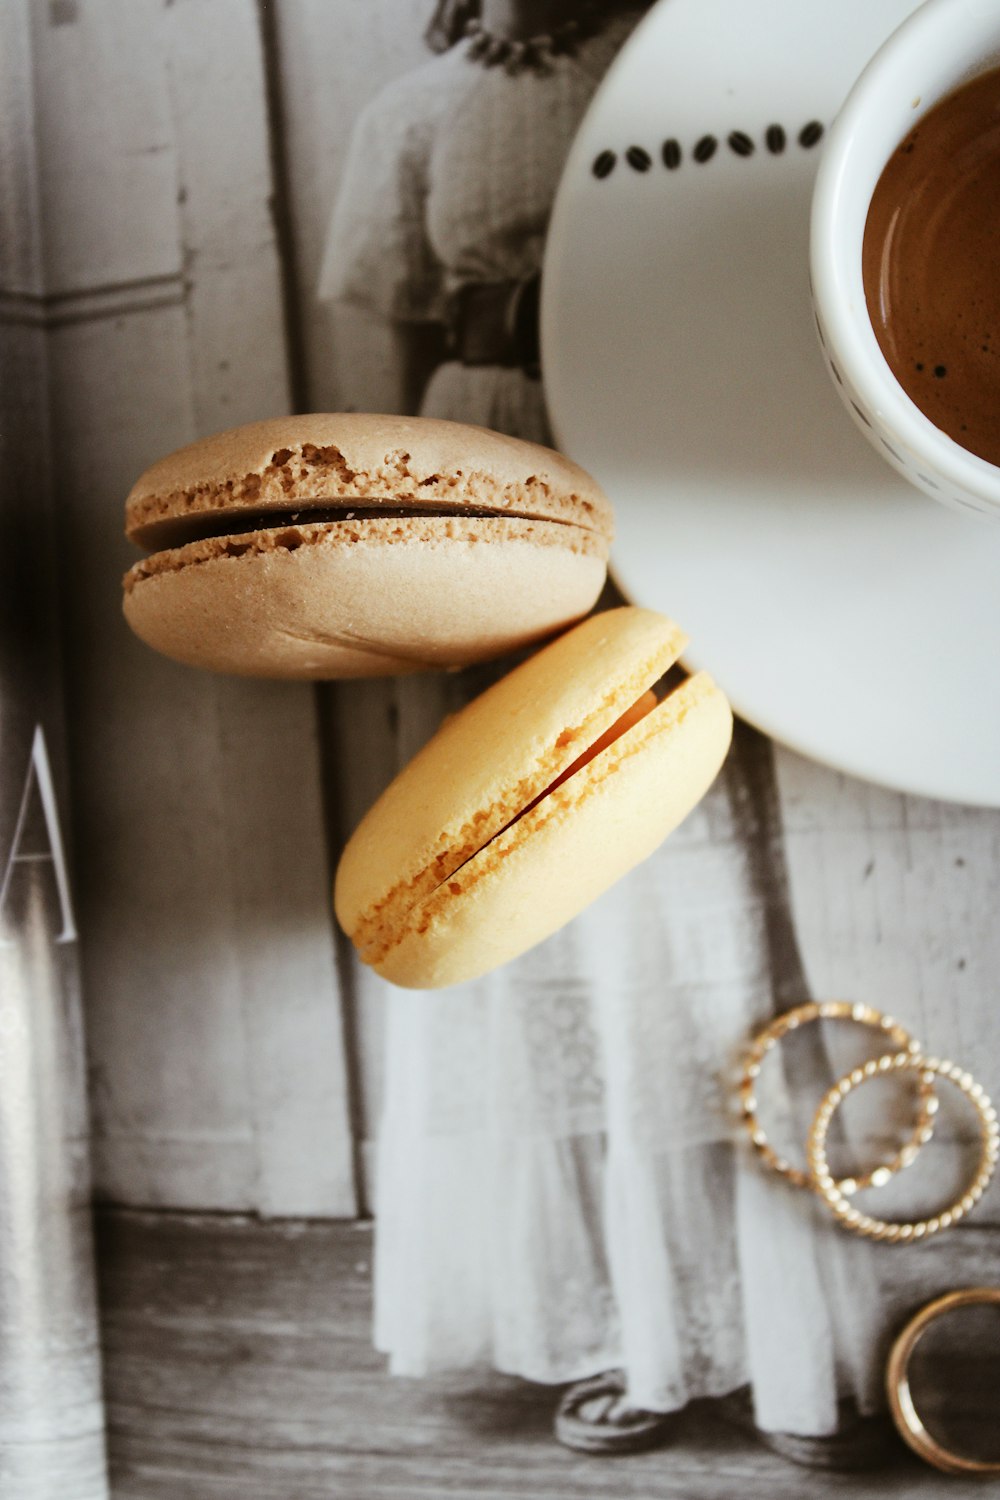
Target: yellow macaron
(531,802)
(354,545)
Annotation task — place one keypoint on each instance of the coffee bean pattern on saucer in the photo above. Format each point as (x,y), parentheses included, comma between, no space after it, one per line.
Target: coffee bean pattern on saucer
(675,155)
(701,152)
(638,158)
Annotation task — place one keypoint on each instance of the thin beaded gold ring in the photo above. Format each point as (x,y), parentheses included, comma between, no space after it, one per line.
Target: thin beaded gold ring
(882,1229)
(831,1010)
(897,1380)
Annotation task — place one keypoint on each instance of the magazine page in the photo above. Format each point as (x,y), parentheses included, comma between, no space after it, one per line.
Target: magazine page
(51,1409)
(359,1234)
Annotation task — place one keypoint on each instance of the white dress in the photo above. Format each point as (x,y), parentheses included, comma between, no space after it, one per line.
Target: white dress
(559,1188)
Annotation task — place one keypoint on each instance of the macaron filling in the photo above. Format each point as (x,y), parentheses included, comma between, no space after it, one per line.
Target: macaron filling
(624,722)
(179,531)
(658,708)
(350,458)
(651,699)
(382,527)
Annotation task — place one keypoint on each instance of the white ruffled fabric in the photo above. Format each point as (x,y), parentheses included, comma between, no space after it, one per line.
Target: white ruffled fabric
(560,1186)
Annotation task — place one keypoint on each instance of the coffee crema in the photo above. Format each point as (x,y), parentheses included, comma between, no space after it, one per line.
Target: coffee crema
(931,265)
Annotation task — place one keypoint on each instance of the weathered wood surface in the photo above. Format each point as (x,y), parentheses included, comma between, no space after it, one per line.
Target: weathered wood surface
(212,994)
(239,1365)
(894,902)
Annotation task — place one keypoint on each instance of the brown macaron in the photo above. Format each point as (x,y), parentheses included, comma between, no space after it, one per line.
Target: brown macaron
(352,545)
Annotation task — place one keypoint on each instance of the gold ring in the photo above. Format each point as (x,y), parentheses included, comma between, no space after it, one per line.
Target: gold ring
(904,1412)
(831,1010)
(883,1229)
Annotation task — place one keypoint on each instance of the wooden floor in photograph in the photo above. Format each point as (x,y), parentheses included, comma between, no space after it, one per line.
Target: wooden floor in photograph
(239,1366)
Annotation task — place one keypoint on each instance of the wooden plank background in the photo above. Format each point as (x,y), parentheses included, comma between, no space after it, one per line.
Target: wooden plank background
(262,1384)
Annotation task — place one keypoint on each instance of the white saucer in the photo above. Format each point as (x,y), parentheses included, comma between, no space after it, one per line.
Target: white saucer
(842,611)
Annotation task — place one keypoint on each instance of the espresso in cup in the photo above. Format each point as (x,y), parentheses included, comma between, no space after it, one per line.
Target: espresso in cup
(931,265)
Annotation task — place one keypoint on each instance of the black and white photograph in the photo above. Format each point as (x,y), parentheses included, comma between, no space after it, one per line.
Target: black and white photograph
(499,749)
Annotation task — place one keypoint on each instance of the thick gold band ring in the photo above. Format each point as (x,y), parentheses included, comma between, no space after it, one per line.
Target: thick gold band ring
(901,1404)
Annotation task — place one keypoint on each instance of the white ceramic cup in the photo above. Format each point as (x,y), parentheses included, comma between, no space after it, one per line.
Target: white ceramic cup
(941,46)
